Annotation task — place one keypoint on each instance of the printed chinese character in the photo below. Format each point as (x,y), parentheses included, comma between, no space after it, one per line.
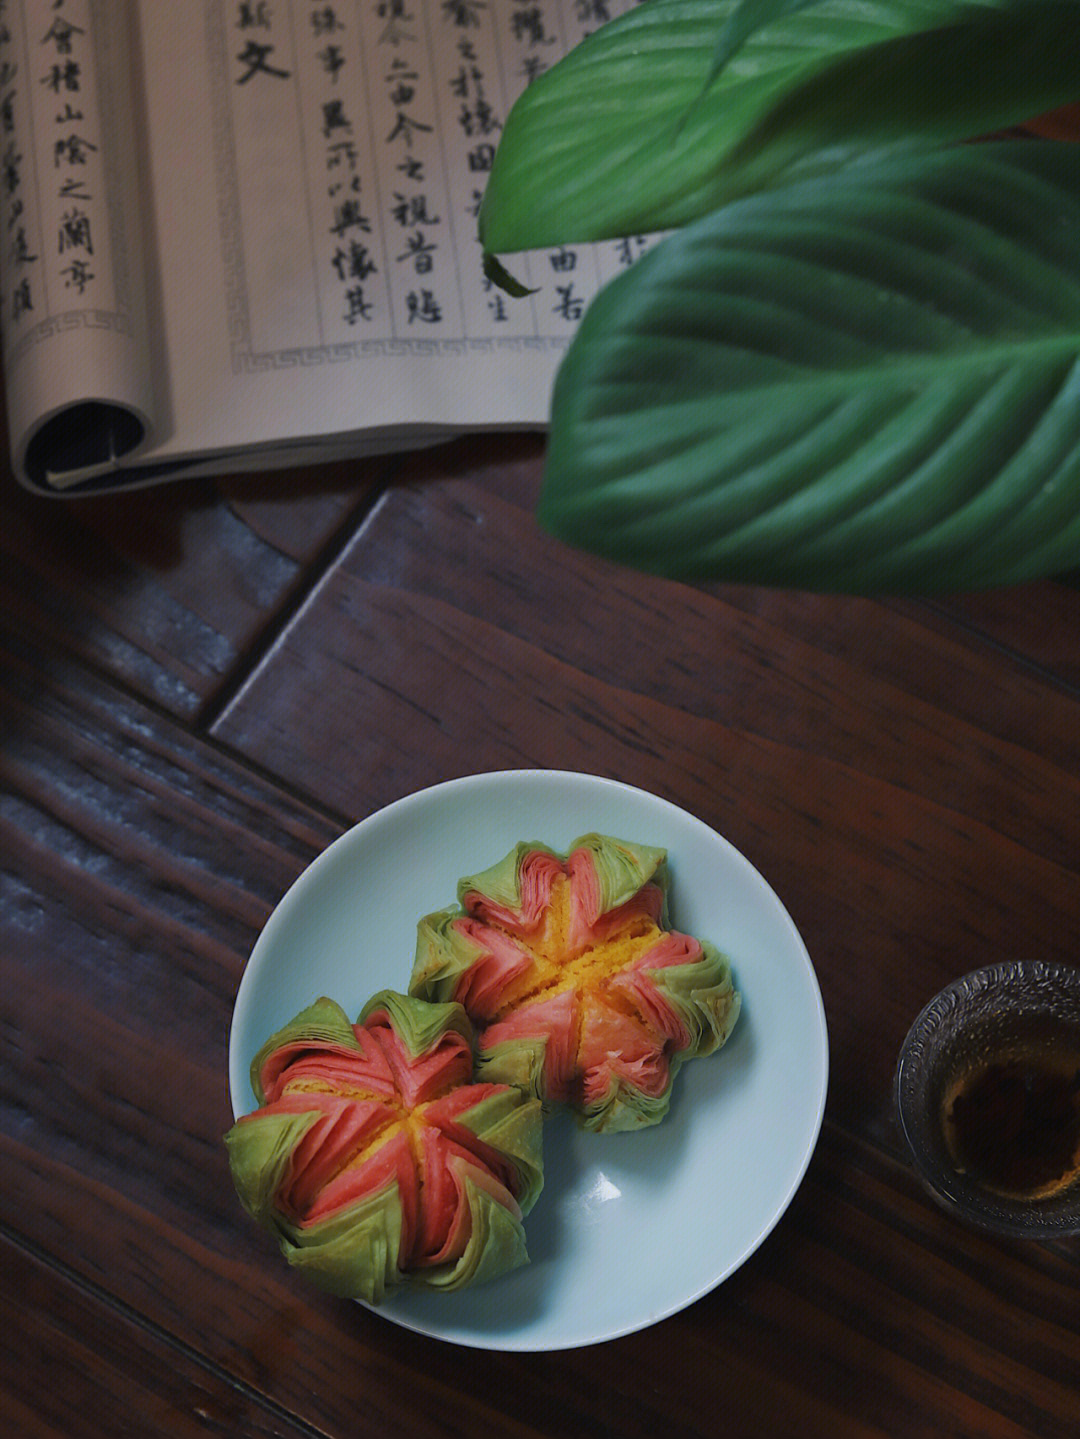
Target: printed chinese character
(356,306)
(21,299)
(60,33)
(597,12)
(73,187)
(627,250)
(62,77)
(349,216)
(569,306)
(396,31)
(332,61)
(478,118)
(253,16)
(257,59)
(11,169)
(407,128)
(334,117)
(532,67)
(481,158)
(20,248)
(75,232)
(464,13)
(353,263)
(71,150)
(529,25)
(420,250)
(423,307)
(412,210)
(324,21)
(78,275)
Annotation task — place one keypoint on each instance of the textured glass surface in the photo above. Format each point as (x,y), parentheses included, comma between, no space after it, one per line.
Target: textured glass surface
(985,1013)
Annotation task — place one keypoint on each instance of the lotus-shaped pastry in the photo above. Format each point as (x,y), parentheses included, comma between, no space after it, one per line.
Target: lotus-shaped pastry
(581,992)
(374,1157)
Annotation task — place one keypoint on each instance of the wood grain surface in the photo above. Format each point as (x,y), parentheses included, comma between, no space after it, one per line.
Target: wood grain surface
(202,686)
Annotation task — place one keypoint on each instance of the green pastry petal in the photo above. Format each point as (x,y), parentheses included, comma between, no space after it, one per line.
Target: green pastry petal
(501,883)
(623,1107)
(260,1152)
(704,997)
(623,868)
(323,1022)
(518,1062)
(496,1244)
(514,1126)
(443,954)
(419,1023)
(353,1253)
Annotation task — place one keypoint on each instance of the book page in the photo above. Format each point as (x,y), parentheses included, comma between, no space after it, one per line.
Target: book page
(71,292)
(317,170)
(308,177)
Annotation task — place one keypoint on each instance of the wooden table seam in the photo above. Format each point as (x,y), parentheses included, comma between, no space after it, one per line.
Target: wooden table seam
(142,1322)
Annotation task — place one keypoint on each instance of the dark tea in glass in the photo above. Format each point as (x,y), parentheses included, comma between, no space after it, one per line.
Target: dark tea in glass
(1012,1118)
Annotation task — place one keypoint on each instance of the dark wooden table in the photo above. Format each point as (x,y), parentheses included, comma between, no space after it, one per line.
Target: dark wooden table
(203,685)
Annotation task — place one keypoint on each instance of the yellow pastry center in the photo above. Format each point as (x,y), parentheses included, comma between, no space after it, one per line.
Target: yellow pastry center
(558,963)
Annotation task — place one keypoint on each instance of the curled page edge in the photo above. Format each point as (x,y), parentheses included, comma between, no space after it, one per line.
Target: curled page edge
(80,383)
(79,442)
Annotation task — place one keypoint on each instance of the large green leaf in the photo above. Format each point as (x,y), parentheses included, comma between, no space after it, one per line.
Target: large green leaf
(868,381)
(626,135)
(743,19)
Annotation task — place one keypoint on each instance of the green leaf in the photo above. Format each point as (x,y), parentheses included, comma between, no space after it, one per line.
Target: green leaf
(866,382)
(501,277)
(747,17)
(619,138)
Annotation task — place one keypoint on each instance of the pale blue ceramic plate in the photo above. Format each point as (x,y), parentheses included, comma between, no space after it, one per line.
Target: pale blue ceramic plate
(630,1228)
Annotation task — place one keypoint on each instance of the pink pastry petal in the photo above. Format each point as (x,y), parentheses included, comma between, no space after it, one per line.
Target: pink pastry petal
(502,960)
(616,1043)
(326,1062)
(419,1079)
(553,1019)
(536,874)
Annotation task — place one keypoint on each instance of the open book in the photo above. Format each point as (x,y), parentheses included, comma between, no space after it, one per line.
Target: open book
(242,233)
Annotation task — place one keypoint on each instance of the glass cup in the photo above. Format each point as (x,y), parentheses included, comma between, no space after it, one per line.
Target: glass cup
(988,1097)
